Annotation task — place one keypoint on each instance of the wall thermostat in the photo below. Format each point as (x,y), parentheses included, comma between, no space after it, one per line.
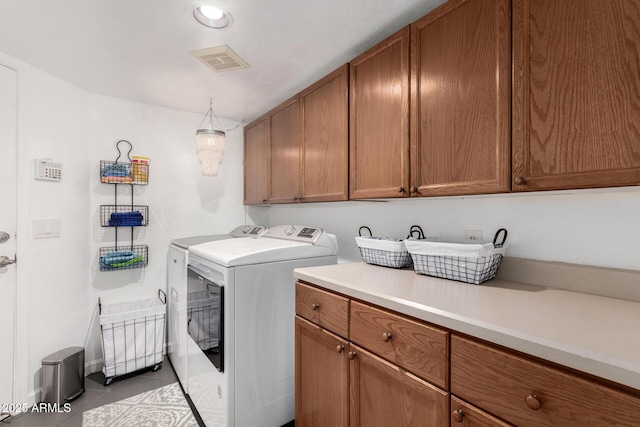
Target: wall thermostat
(48,170)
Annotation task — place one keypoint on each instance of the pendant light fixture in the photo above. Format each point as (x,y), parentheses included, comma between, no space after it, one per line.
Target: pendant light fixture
(210,144)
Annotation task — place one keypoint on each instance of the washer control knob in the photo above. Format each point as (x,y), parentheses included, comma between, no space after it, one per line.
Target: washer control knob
(246,229)
(290,230)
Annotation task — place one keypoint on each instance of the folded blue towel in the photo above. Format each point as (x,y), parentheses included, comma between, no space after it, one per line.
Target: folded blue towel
(131,214)
(125,219)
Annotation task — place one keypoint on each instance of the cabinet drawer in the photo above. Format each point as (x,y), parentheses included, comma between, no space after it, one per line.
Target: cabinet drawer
(529,393)
(323,308)
(465,415)
(416,347)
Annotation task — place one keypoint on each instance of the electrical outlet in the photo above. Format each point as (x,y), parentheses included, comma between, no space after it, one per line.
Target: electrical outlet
(473,234)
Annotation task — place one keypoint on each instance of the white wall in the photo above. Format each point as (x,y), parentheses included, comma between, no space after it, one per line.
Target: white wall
(52,277)
(59,281)
(596,227)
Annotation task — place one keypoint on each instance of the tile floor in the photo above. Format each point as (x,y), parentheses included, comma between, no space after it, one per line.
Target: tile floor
(96,394)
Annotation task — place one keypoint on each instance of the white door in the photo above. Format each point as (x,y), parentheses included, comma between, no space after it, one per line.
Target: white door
(8,183)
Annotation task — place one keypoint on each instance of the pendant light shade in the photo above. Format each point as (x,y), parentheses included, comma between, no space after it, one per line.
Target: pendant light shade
(210,145)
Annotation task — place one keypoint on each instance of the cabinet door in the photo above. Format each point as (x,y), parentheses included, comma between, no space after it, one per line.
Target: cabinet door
(379,120)
(460,115)
(576,121)
(465,415)
(284,141)
(256,161)
(322,375)
(384,395)
(325,138)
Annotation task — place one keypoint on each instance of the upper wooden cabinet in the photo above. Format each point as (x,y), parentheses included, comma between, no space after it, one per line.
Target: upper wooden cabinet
(305,142)
(325,138)
(256,160)
(284,155)
(576,115)
(478,96)
(379,120)
(460,100)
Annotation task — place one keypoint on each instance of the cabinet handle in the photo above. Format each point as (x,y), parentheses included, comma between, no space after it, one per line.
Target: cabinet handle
(386,336)
(315,307)
(295,197)
(264,200)
(413,189)
(340,348)
(401,190)
(533,402)
(458,415)
(352,355)
(520,180)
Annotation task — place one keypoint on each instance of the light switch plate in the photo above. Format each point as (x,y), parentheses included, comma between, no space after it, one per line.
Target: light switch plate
(46,228)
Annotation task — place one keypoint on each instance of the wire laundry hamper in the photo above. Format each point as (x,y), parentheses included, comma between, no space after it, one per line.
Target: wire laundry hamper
(132,335)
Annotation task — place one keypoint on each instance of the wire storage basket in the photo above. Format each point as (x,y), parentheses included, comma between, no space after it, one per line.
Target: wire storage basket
(468,262)
(383,251)
(123,257)
(132,335)
(114,172)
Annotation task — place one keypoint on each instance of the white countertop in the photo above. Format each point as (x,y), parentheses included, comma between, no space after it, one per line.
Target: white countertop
(595,334)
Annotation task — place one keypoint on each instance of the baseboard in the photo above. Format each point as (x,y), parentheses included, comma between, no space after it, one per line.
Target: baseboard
(92,366)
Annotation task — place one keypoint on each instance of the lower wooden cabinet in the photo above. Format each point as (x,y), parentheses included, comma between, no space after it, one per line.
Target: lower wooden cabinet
(382,368)
(383,395)
(527,392)
(419,348)
(321,377)
(339,383)
(323,308)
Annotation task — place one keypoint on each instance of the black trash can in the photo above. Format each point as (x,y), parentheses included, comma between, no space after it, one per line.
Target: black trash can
(63,375)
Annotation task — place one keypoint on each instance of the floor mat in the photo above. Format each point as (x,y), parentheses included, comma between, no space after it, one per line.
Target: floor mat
(165,406)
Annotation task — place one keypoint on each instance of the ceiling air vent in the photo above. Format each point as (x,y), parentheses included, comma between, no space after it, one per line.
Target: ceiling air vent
(220,58)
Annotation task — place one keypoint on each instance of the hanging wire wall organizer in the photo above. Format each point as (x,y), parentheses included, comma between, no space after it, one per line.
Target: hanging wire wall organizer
(123,257)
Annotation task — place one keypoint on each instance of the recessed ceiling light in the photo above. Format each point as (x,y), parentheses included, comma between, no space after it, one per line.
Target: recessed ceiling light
(211,17)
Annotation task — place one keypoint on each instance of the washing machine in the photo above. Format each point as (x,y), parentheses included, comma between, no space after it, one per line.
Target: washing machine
(177,291)
(242,374)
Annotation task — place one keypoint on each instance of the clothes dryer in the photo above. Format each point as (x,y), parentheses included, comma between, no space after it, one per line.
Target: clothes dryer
(177,293)
(251,384)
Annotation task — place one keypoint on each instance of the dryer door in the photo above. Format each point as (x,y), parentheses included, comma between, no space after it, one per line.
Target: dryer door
(205,316)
